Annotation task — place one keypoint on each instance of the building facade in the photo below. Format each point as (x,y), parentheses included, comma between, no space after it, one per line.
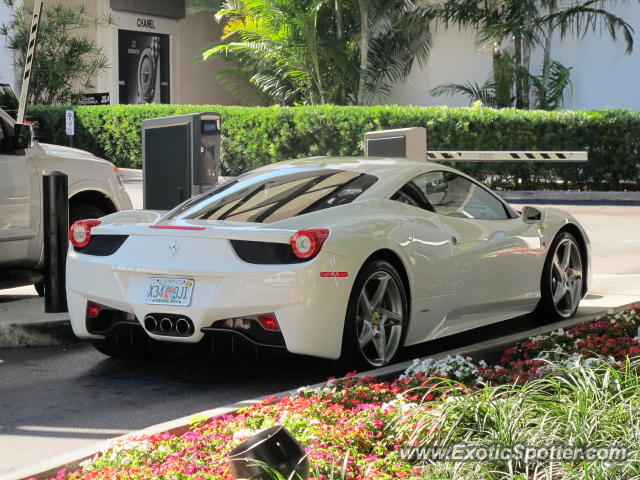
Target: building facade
(154,50)
(602,74)
(7,73)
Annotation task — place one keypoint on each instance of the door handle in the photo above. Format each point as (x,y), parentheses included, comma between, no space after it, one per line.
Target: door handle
(454,240)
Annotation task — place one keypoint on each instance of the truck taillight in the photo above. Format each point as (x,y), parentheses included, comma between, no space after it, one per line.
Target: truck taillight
(80,232)
(119,178)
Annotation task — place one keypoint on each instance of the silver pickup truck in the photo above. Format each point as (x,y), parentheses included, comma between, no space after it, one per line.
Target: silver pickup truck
(95,189)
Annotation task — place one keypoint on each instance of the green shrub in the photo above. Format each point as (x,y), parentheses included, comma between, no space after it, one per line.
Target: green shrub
(255,136)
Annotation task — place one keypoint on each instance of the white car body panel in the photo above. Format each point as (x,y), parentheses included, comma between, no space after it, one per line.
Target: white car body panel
(461,273)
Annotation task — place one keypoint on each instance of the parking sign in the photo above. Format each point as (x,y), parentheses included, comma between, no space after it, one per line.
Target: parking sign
(70,122)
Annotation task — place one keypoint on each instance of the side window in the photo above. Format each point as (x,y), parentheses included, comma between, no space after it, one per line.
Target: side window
(412,195)
(453,195)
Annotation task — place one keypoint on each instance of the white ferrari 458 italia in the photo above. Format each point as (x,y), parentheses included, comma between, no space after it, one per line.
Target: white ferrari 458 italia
(341,258)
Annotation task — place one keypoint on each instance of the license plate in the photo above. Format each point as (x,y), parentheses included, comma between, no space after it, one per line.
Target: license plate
(169,291)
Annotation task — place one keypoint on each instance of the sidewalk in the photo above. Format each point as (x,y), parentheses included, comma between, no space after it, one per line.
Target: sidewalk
(23,322)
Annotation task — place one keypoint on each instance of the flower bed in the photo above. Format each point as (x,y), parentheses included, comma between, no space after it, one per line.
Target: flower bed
(357,427)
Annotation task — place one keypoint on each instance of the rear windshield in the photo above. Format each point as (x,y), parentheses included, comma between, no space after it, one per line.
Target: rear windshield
(267,199)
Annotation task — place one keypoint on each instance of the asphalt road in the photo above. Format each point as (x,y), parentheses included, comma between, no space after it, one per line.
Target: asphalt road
(54,400)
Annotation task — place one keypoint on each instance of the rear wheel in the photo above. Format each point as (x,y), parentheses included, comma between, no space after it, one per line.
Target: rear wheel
(377,317)
(562,280)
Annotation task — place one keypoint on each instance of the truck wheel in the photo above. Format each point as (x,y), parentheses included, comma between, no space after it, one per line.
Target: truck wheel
(81,211)
(39,288)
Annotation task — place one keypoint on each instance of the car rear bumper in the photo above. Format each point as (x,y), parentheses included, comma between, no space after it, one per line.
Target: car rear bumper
(309,309)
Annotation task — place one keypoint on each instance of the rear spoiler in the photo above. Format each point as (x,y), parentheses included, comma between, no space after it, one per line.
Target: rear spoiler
(411,143)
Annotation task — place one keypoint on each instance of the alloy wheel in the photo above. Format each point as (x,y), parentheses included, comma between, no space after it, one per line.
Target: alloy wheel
(566,277)
(380,318)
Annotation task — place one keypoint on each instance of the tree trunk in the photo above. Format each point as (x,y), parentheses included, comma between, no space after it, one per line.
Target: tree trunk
(316,67)
(546,64)
(526,64)
(526,67)
(364,49)
(502,79)
(518,61)
(338,8)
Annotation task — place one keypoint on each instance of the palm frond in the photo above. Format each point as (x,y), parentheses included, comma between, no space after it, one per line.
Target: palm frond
(559,82)
(483,93)
(586,17)
(238,83)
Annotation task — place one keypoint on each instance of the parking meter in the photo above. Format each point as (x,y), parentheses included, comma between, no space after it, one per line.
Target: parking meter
(207,161)
(180,158)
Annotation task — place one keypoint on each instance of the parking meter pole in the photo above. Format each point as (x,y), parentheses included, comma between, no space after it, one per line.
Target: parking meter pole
(55,210)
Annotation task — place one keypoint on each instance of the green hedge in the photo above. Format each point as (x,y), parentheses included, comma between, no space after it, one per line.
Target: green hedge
(255,136)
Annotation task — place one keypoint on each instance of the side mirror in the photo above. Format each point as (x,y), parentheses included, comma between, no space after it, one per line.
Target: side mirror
(532,215)
(22,136)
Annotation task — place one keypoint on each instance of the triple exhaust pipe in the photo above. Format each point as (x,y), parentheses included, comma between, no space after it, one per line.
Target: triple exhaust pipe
(168,324)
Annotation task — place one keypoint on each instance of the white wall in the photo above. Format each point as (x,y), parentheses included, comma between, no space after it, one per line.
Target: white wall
(7,74)
(602,75)
(454,58)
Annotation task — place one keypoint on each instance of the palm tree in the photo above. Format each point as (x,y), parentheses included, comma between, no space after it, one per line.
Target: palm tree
(578,18)
(393,35)
(521,26)
(273,44)
(500,90)
(319,51)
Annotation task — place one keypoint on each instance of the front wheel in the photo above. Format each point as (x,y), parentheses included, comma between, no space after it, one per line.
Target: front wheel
(377,317)
(562,280)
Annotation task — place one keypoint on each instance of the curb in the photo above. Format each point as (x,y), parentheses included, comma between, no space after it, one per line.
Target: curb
(24,323)
(41,334)
(178,426)
(131,172)
(569,196)
(135,174)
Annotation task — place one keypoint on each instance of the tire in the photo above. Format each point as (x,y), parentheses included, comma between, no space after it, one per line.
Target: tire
(81,211)
(369,323)
(561,285)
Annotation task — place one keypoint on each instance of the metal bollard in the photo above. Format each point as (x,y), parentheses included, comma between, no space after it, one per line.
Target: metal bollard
(55,213)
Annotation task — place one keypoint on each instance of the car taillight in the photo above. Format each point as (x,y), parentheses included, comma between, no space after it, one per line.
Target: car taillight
(93,310)
(80,232)
(269,322)
(307,243)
